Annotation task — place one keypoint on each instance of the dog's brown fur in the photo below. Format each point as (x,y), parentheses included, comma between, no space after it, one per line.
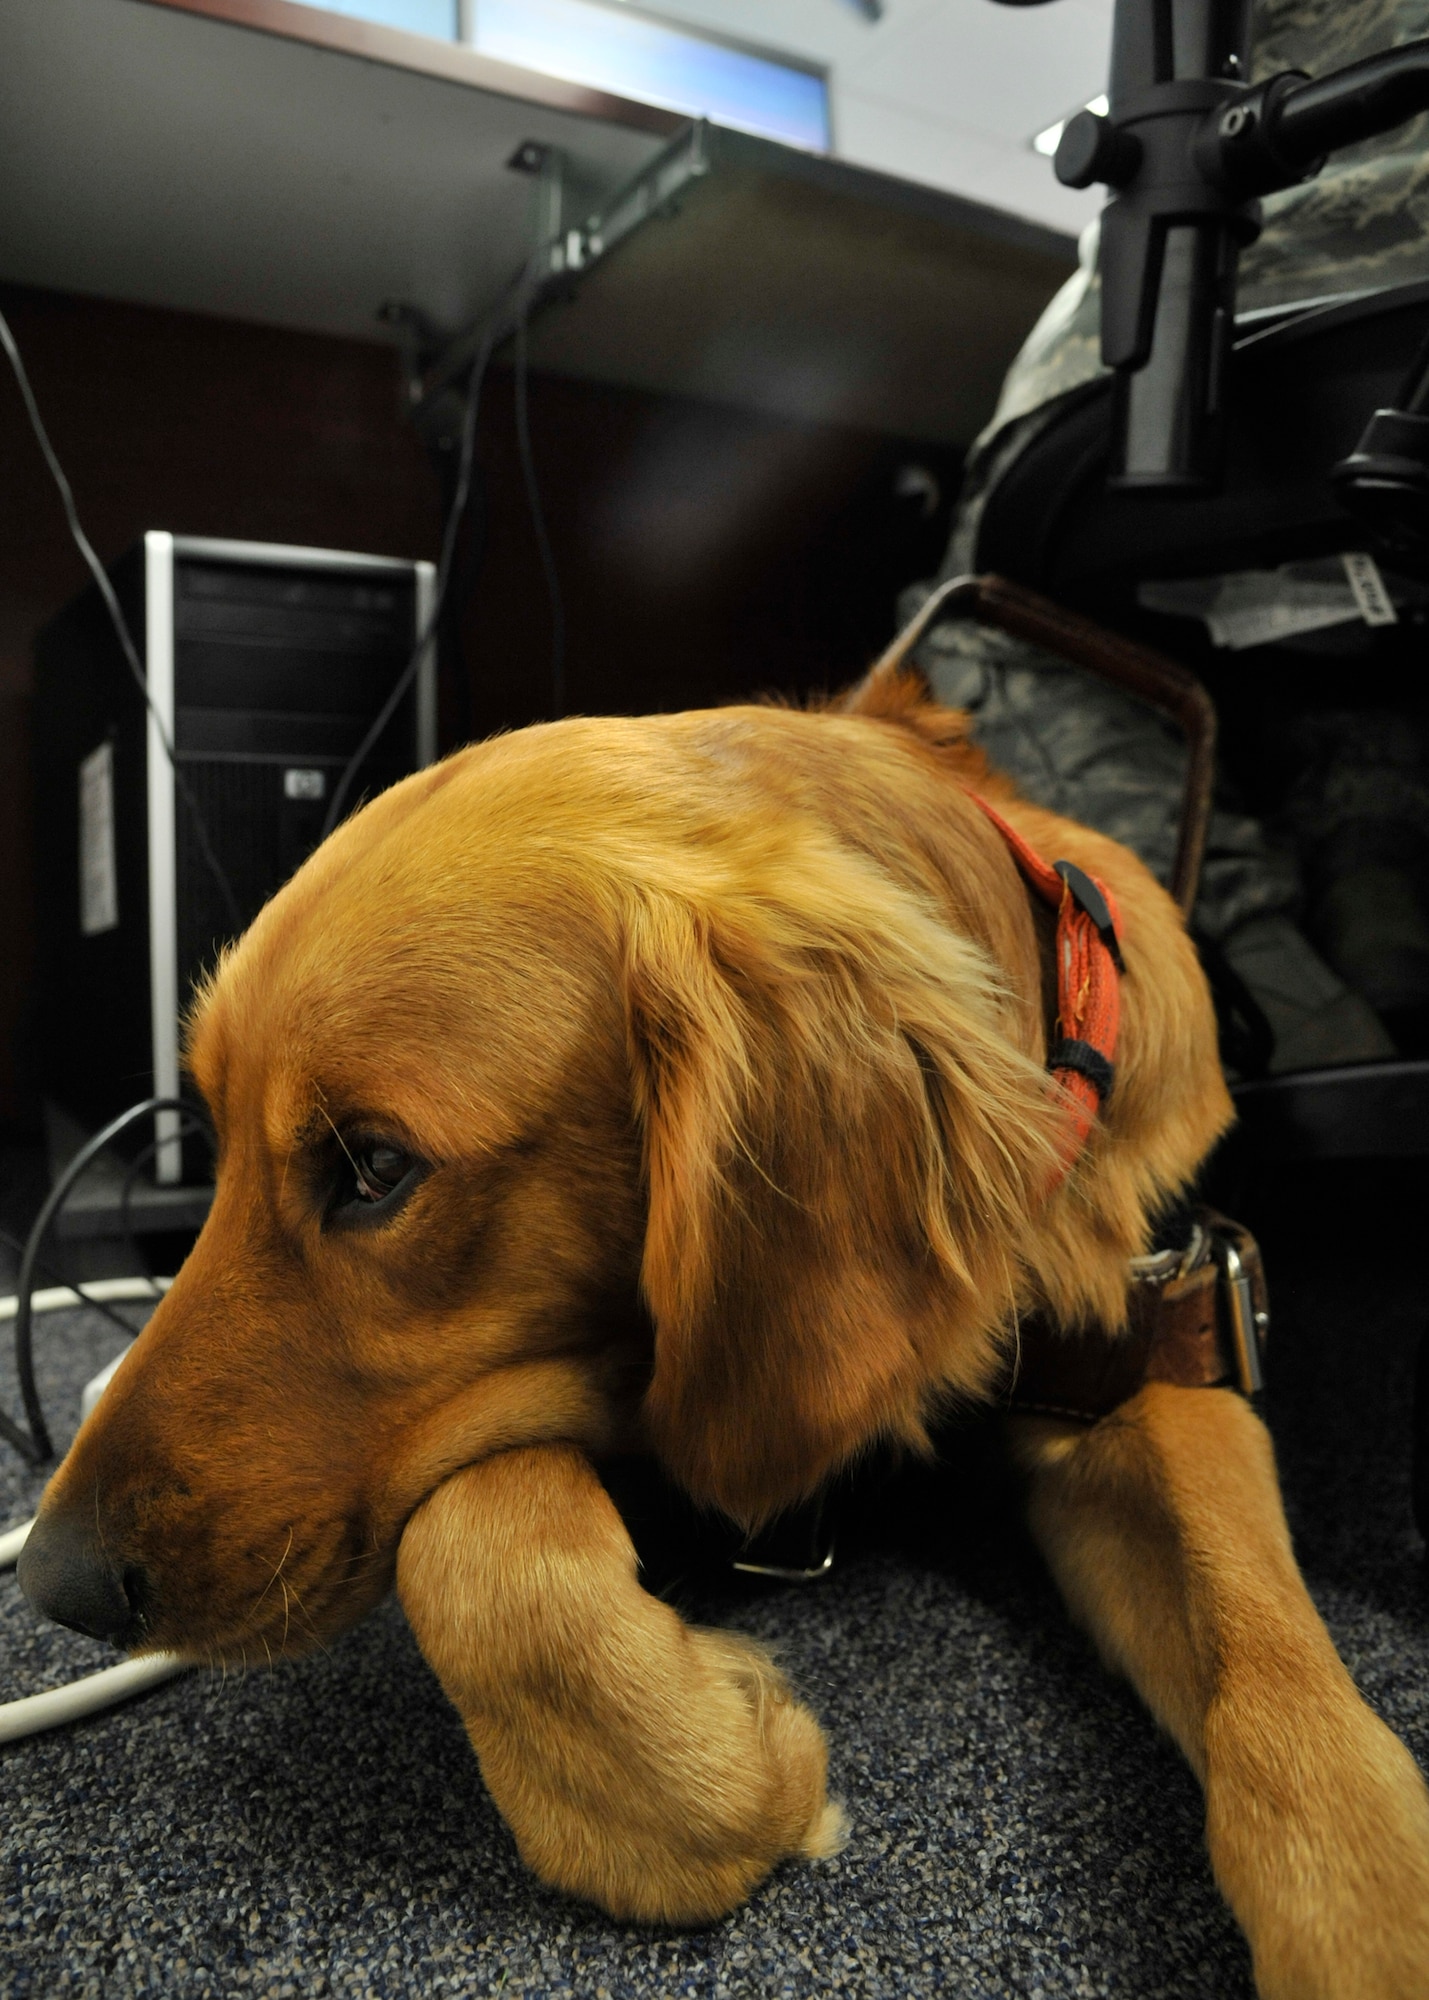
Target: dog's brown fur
(742,1014)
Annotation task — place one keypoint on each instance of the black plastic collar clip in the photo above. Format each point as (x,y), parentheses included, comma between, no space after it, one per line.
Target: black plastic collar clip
(1087,896)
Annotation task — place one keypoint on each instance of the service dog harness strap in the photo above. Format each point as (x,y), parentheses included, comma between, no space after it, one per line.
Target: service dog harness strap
(1197,1317)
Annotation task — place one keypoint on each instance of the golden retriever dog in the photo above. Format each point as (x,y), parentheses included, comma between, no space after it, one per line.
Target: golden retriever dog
(679,1085)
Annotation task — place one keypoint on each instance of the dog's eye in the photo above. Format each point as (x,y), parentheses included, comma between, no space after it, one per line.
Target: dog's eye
(373,1176)
(379,1169)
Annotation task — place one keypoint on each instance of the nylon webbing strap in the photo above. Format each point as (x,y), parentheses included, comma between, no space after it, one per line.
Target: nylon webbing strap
(1082,1057)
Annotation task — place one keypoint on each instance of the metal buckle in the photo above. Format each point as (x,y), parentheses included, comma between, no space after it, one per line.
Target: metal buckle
(796,1547)
(787,1575)
(1158,1267)
(1247,1326)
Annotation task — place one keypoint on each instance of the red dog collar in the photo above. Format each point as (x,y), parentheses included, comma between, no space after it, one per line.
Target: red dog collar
(1088,981)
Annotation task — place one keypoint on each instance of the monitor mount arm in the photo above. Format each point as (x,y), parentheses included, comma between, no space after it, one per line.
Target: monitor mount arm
(1186,148)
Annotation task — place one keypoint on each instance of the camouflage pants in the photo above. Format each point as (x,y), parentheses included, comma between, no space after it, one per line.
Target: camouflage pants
(1084,749)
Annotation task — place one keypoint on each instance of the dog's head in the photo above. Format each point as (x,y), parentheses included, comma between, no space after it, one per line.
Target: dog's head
(592,1086)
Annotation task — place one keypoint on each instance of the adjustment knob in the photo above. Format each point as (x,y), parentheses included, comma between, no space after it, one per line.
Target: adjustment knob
(1092,148)
(1385,480)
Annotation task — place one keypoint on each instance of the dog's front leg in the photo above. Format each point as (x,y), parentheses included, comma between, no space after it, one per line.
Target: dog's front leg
(1164,1527)
(657,1769)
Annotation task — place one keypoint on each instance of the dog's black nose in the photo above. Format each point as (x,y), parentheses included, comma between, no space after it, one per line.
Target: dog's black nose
(68,1575)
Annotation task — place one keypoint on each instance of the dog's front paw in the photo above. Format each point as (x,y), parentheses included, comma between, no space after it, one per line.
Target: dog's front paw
(658,1770)
(685,1777)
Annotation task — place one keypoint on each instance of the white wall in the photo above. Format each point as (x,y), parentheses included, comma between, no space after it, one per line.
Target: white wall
(944,91)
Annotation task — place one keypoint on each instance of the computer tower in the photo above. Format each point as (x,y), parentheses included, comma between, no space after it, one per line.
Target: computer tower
(267,664)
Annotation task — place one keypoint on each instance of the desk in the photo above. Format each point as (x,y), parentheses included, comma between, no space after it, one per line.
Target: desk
(277,163)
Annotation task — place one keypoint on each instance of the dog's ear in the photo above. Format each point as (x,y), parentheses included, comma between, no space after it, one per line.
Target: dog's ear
(844,1149)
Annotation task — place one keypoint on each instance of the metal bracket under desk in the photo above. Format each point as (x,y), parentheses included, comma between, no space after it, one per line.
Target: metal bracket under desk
(778,281)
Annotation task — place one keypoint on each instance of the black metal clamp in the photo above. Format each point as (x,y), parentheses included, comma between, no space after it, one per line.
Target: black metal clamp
(1185,149)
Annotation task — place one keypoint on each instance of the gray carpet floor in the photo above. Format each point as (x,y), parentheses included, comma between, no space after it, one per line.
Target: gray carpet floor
(1018,1826)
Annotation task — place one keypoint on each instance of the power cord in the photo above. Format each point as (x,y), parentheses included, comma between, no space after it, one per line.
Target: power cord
(35,1446)
(117,620)
(90,1296)
(466,568)
(99,1294)
(189,1124)
(93,1692)
(538,518)
(519,298)
(450,532)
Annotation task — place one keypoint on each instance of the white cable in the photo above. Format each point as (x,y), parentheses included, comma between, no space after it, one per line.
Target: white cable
(67,1704)
(95,1387)
(58,1298)
(56,1706)
(11,1544)
(103,1291)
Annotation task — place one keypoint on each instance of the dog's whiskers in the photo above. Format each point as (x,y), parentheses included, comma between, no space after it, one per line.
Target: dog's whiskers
(354,1566)
(340,1140)
(277,1573)
(307,1619)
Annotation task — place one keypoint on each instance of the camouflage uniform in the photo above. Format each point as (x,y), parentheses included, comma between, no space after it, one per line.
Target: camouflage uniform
(1360,225)
(1082,748)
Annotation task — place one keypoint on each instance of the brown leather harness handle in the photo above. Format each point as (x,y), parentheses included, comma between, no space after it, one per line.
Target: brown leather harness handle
(1163,685)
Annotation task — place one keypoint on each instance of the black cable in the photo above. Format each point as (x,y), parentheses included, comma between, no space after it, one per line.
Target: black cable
(36,1446)
(188,1124)
(58,1277)
(116,618)
(444,570)
(466,568)
(538,517)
